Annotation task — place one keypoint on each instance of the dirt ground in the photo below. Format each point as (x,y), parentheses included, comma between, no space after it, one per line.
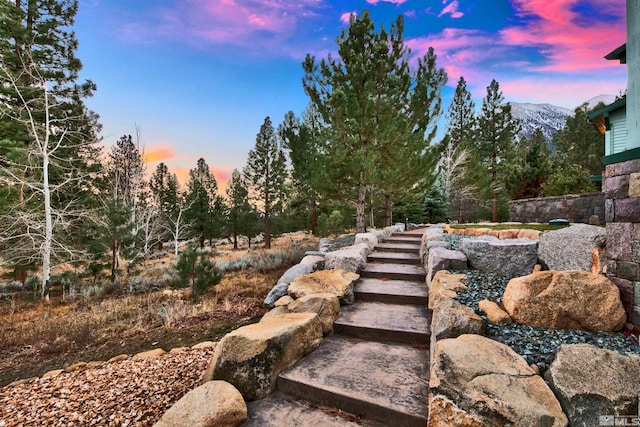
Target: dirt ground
(36,337)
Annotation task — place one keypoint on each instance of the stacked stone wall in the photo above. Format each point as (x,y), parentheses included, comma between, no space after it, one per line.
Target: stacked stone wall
(622,214)
(582,208)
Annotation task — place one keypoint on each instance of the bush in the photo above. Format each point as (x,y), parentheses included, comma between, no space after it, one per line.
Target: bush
(195,269)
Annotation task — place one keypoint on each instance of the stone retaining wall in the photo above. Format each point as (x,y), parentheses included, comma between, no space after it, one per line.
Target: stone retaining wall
(574,207)
(622,191)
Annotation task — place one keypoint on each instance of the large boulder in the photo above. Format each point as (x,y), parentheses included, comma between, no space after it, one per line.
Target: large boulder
(326,306)
(370,239)
(337,282)
(213,404)
(252,357)
(280,289)
(590,382)
(511,258)
(451,319)
(444,259)
(565,300)
(316,262)
(479,382)
(350,258)
(571,248)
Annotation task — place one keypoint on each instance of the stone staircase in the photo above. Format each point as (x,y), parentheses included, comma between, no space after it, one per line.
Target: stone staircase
(376,363)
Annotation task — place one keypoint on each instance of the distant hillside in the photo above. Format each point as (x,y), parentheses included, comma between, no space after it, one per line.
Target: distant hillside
(549,118)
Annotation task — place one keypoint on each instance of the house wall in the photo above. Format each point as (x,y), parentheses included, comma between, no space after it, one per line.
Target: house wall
(574,207)
(622,211)
(633,73)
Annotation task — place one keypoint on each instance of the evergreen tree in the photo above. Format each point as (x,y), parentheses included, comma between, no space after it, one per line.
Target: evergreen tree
(202,198)
(48,150)
(496,135)
(458,184)
(164,195)
(376,108)
(301,139)
(240,211)
(266,174)
(530,168)
(579,142)
(125,173)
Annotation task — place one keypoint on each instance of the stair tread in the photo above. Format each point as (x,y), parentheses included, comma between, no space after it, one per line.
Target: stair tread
(391,287)
(394,268)
(366,376)
(387,317)
(395,255)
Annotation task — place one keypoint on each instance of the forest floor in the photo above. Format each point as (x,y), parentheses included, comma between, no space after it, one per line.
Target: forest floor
(36,336)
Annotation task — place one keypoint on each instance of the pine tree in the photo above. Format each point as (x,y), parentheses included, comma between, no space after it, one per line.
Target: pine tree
(301,139)
(379,113)
(47,135)
(240,211)
(579,142)
(496,135)
(529,168)
(266,174)
(201,196)
(456,182)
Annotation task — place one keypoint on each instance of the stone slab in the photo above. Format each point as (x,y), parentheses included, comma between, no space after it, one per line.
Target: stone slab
(386,322)
(394,257)
(398,247)
(392,291)
(280,410)
(380,381)
(394,272)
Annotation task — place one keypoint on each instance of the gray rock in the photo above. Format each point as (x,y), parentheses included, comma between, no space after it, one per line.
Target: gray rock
(440,258)
(430,244)
(370,239)
(352,259)
(512,257)
(315,253)
(280,289)
(313,261)
(590,382)
(570,248)
(476,381)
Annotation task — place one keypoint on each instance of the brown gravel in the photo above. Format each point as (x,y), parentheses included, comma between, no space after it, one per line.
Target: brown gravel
(125,393)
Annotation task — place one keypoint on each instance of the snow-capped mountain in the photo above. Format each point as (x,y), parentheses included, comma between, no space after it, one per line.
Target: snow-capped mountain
(549,118)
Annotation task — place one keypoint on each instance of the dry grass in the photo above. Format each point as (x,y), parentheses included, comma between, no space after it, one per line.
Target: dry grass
(119,322)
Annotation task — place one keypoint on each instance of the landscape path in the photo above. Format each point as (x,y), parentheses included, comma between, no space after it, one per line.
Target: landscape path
(376,363)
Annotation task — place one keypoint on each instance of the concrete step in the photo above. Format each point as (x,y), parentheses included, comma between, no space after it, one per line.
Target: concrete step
(281,410)
(388,383)
(394,257)
(419,232)
(376,321)
(394,272)
(392,291)
(397,247)
(404,239)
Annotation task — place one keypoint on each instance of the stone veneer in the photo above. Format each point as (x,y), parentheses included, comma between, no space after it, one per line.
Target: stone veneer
(622,215)
(574,207)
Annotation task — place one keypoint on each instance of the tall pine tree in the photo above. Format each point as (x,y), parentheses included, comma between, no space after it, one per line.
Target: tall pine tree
(496,139)
(266,175)
(202,198)
(379,113)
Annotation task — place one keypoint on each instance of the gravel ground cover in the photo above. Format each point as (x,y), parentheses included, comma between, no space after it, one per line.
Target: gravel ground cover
(537,345)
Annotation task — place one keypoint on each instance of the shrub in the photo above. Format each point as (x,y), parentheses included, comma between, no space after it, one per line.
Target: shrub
(195,269)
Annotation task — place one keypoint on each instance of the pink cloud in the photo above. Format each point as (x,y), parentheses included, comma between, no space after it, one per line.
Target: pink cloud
(158,154)
(345,18)
(563,92)
(396,2)
(564,37)
(249,23)
(451,9)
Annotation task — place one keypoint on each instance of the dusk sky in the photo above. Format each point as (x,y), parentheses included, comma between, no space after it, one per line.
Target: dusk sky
(199,76)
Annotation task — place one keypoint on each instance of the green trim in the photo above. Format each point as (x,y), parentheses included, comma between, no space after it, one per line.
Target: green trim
(605,111)
(595,178)
(632,154)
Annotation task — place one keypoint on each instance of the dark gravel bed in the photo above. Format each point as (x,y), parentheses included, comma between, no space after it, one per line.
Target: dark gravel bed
(536,345)
(338,242)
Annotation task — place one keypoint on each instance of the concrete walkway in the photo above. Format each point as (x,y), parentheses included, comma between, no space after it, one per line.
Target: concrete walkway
(376,364)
